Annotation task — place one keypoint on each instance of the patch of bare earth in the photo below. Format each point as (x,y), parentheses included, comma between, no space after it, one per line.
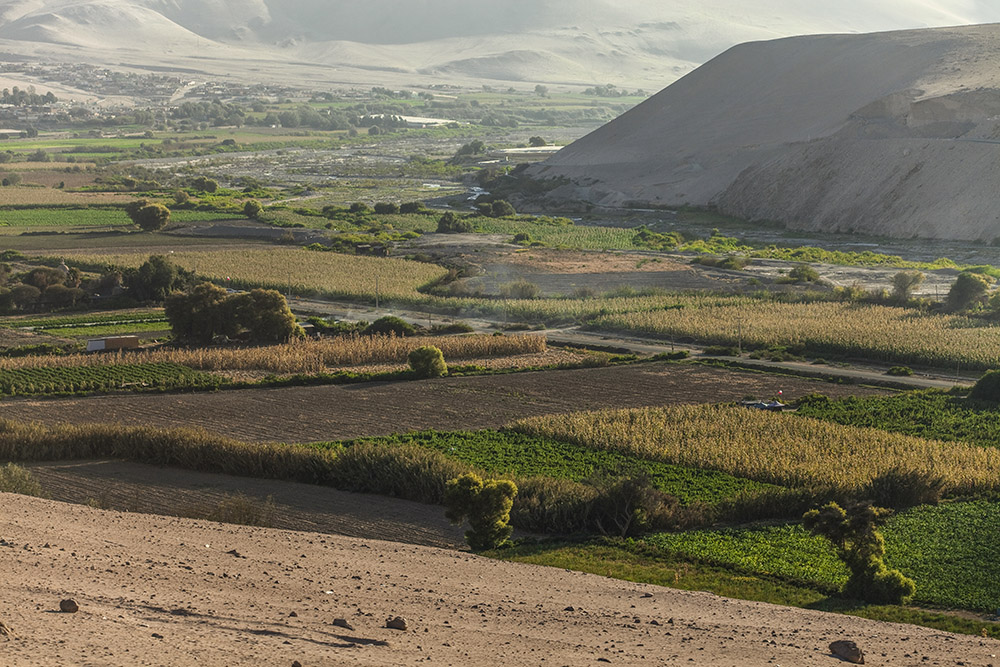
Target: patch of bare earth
(164,591)
(304,414)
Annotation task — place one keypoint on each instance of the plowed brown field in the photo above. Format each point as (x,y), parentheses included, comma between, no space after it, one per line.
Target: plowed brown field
(307,414)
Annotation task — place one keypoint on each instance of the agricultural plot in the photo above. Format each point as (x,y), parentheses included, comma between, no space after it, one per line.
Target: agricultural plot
(929,414)
(510,454)
(109,377)
(296,270)
(949,550)
(581,237)
(896,335)
(66,321)
(306,356)
(94,217)
(775,448)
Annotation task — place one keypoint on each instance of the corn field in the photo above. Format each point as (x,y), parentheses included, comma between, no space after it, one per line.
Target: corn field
(295,270)
(825,328)
(308,356)
(776,448)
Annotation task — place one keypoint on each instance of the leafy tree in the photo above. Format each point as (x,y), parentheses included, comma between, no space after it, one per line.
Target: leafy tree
(803,273)
(502,208)
(200,315)
(148,217)
(427,362)
(360,208)
(155,279)
(968,290)
(204,184)
(859,544)
(22,296)
(987,388)
(208,311)
(265,315)
(542,91)
(43,277)
(411,207)
(486,504)
(537,142)
(386,208)
(252,209)
(449,223)
(903,284)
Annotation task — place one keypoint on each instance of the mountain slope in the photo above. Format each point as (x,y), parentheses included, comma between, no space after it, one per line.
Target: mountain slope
(889,133)
(631,43)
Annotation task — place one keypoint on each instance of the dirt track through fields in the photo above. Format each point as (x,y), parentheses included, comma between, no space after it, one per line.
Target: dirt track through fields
(309,414)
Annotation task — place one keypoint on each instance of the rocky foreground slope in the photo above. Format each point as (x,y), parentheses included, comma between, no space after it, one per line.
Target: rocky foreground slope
(162,591)
(895,134)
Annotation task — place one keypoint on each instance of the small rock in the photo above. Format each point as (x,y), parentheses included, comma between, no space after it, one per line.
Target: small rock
(570,608)
(69,606)
(342,623)
(157,635)
(293,615)
(647,595)
(849,651)
(296,663)
(396,623)
(5,630)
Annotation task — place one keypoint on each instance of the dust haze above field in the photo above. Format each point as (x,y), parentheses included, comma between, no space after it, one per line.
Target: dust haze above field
(384,42)
(894,134)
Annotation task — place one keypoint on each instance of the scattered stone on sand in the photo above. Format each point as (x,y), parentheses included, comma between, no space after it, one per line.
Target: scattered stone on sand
(6,631)
(69,606)
(296,663)
(342,623)
(397,623)
(849,651)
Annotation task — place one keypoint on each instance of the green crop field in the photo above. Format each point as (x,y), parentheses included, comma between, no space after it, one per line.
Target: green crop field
(928,414)
(93,331)
(57,216)
(29,381)
(119,317)
(949,551)
(505,453)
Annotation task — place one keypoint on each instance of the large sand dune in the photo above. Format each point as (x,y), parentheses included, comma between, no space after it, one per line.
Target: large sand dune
(630,43)
(889,133)
(164,591)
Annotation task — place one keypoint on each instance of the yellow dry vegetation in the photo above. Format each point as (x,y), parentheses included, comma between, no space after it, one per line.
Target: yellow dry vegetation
(771,447)
(296,270)
(308,356)
(874,332)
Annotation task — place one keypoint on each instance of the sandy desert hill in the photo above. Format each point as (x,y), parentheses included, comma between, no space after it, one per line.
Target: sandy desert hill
(633,43)
(895,134)
(164,591)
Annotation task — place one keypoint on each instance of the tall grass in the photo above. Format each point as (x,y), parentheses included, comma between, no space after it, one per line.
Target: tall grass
(776,448)
(307,356)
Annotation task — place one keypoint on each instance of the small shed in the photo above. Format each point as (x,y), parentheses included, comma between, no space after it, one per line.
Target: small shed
(112,343)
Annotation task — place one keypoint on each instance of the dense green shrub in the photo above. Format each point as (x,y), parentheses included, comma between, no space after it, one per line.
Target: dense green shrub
(449,223)
(390,324)
(860,546)
(987,388)
(16,479)
(900,488)
(900,371)
(427,362)
(486,504)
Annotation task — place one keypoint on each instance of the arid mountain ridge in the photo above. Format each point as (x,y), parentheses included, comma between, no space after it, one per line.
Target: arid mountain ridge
(894,134)
(579,42)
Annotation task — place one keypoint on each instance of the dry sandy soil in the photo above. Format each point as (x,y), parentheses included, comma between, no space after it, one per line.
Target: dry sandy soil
(304,414)
(164,591)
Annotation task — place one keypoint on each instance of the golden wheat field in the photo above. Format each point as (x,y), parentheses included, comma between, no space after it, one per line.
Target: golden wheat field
(771,447)
(875,332)
(307,356)
(296,270)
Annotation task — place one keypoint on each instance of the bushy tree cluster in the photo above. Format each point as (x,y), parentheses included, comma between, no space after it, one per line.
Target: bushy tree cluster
(486,504)
(155,279)
(427,362)
(854,534)
(146,216)
(209,311)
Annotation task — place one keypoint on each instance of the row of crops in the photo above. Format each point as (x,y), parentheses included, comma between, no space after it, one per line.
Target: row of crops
(31,381)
